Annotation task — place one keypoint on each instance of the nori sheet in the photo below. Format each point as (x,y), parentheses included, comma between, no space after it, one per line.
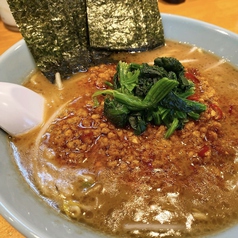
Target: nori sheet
(133,25)
(57,32)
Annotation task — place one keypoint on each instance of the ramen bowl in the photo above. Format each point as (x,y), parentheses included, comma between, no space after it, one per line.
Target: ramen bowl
(19,205)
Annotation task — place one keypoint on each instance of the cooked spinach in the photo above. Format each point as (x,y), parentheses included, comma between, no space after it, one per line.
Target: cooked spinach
(156,94)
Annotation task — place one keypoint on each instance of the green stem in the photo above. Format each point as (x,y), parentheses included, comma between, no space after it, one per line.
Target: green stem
(159,90)
(132,102)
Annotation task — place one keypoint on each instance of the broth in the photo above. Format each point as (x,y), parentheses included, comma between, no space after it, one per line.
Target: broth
(137,186)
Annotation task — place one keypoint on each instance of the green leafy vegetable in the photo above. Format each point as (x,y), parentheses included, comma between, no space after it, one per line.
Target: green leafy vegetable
(116,112)
(134,103)
(156,94)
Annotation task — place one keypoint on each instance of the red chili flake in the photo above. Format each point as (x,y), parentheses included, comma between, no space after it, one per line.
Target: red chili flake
(192,74)
(149,165)
(86,137)
(194,97)
(230,109)
(218,111)
(194,71)
(203,151)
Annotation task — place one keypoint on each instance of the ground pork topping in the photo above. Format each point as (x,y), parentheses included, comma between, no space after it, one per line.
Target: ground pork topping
(82,136)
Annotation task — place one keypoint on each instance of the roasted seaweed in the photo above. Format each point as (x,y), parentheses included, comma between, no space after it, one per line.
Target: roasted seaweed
(124,24)
(59,33)
(56,34)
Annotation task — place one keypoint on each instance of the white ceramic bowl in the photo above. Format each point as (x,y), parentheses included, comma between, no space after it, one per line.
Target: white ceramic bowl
(18,203)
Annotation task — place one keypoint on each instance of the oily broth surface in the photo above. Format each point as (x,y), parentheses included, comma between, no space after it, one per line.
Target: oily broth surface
(180,194)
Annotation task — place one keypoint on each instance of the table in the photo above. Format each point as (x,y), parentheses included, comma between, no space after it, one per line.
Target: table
(223,13)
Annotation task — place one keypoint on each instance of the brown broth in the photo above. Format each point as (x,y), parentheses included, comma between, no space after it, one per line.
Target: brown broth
(129,186)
